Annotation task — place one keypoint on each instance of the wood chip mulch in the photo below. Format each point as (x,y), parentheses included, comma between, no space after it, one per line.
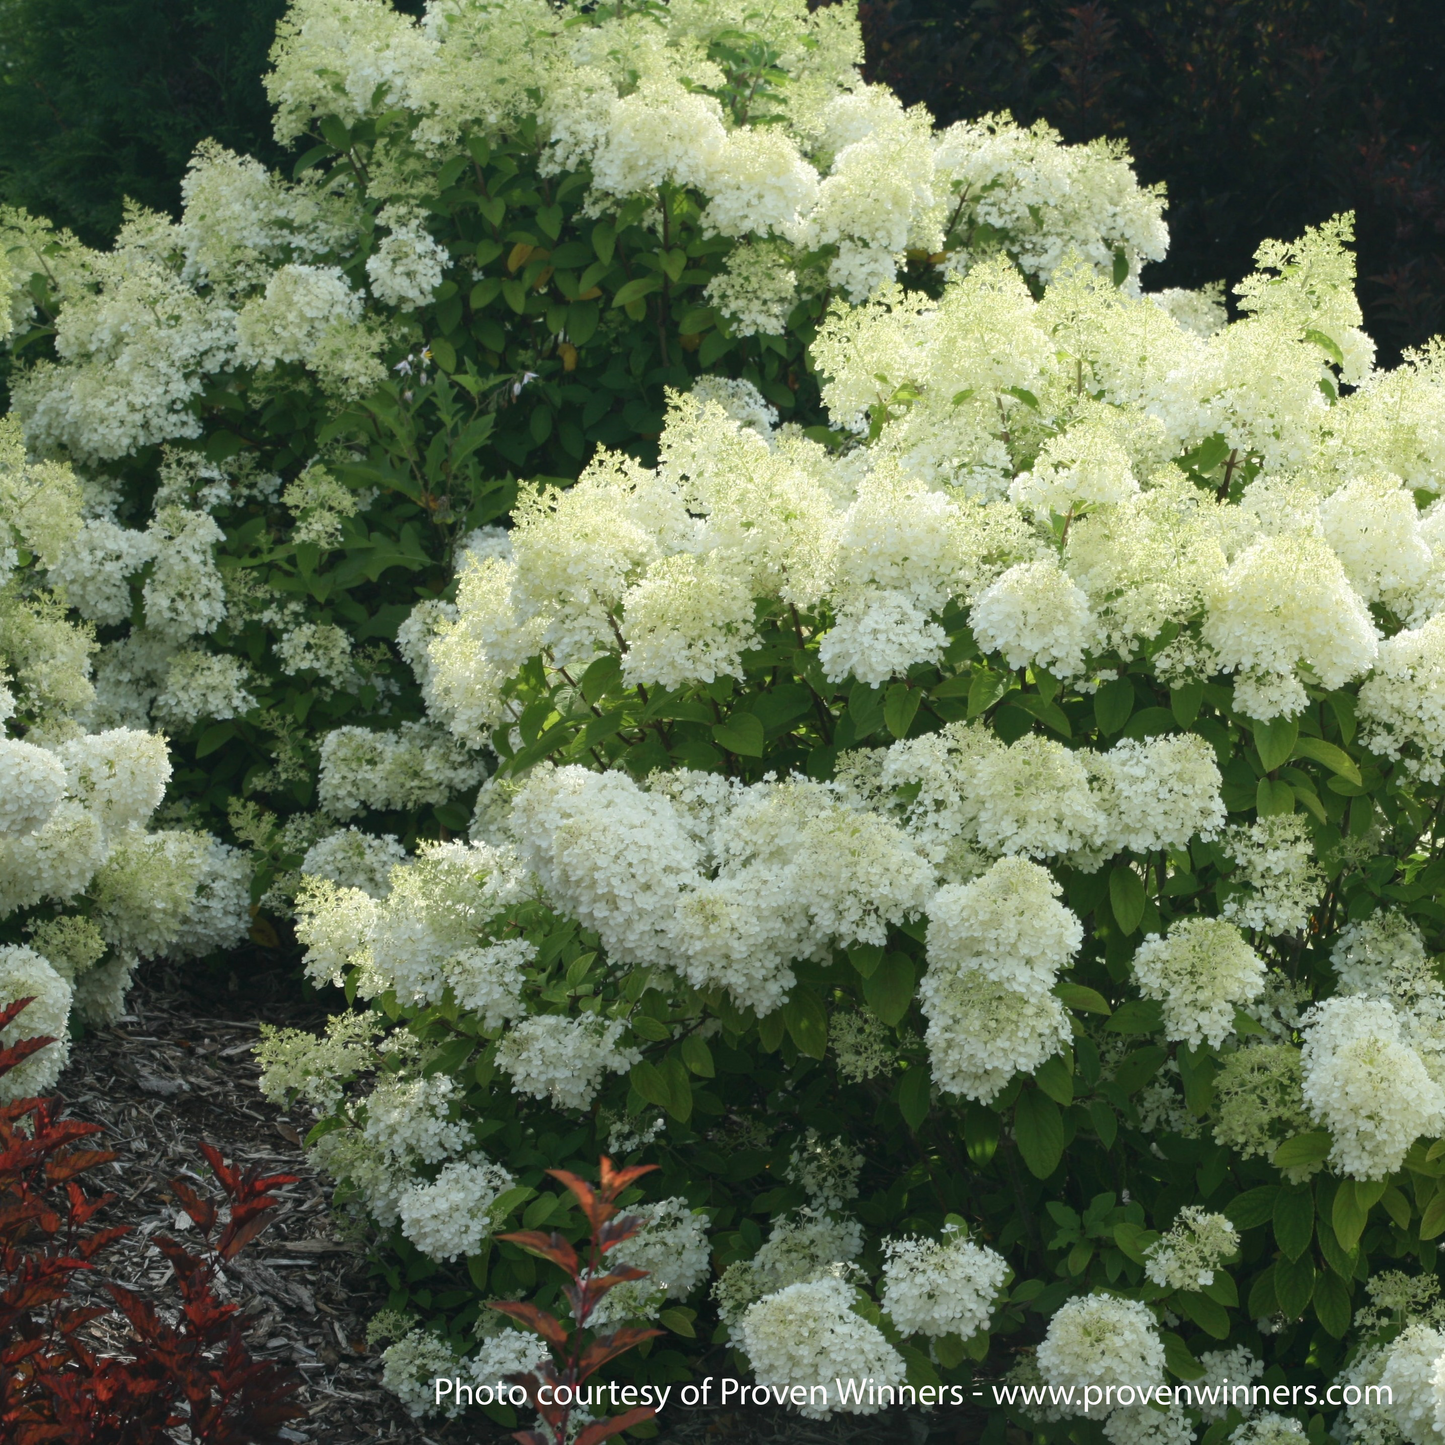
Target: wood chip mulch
(178,1068)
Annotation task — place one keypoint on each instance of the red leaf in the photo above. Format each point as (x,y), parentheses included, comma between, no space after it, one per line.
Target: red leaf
(201,1211)
(547,1246)
(600,1430)
(234,1238)
(548,1326)
(614,1181)
(618,1231)
(102,1237)
(608,1347)
(16,1054)
(596,1212)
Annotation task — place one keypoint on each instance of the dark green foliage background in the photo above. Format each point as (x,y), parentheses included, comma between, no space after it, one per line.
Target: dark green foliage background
(1261,116)
(106,99)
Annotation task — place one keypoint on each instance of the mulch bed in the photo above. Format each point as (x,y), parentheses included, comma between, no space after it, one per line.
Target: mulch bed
(178,1068)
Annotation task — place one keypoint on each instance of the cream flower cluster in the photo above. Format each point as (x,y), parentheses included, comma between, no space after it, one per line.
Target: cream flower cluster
(550,1056)
(75,800)
(808,1335)
(663,566)
(451,1216)
(1200,974)
(399,771)
(672,1247)
(995,948)
(1101,1337)
(941,1287)
(1188,1253)
(726,883)
(1367,1085)
(800,1248)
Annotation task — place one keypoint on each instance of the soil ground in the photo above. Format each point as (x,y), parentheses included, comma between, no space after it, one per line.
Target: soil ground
(178,1068)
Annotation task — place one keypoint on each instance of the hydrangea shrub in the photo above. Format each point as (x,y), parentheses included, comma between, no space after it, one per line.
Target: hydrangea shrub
(510,228)
(985,857)
(88,886)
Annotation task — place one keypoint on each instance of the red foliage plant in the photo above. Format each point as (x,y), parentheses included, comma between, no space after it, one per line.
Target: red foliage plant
(196,1372)
(575,1356)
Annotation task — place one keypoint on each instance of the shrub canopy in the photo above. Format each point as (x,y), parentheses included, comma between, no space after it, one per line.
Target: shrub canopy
(985,856)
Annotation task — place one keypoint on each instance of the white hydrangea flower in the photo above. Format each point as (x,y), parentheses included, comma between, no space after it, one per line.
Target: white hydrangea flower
(1275,856)
(1369,951)
(1144,1425)
(980,1033)
(1034,797)
(416,766)
(756,289)
(203,685)
(551,1056)
(450,1217)
(1007,926)
(148,885)
(1269,1429)
(801,1247)
(508,1352)
(1083,466)
(878,635)
(1201,311)
(25,974)
(662,133)
(1436,1385)
(320,647)
(1367,1086)
(57,861)
(613,856)
(863,1046)
(378,1176)
(95,570)
(410,1119)
(689,620)
(120,775)
(411,1367)
(808,1334)
(1373,526)
(1226,1381)
(826,1169)
(488,981)
(1402,702)
(334,924)
(100,992)
(32,784)
(941,1287)
(741,400)
(1036,616)
(1409,1377)
(296,1062)
(1370,1421)
(1161,792)
(219,915)
(407,265)
(1101,1337)
(1200,973)
(672,1246)
(301,304)
(1188,1253)
(185,593)
(1286,601)
(353,859)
